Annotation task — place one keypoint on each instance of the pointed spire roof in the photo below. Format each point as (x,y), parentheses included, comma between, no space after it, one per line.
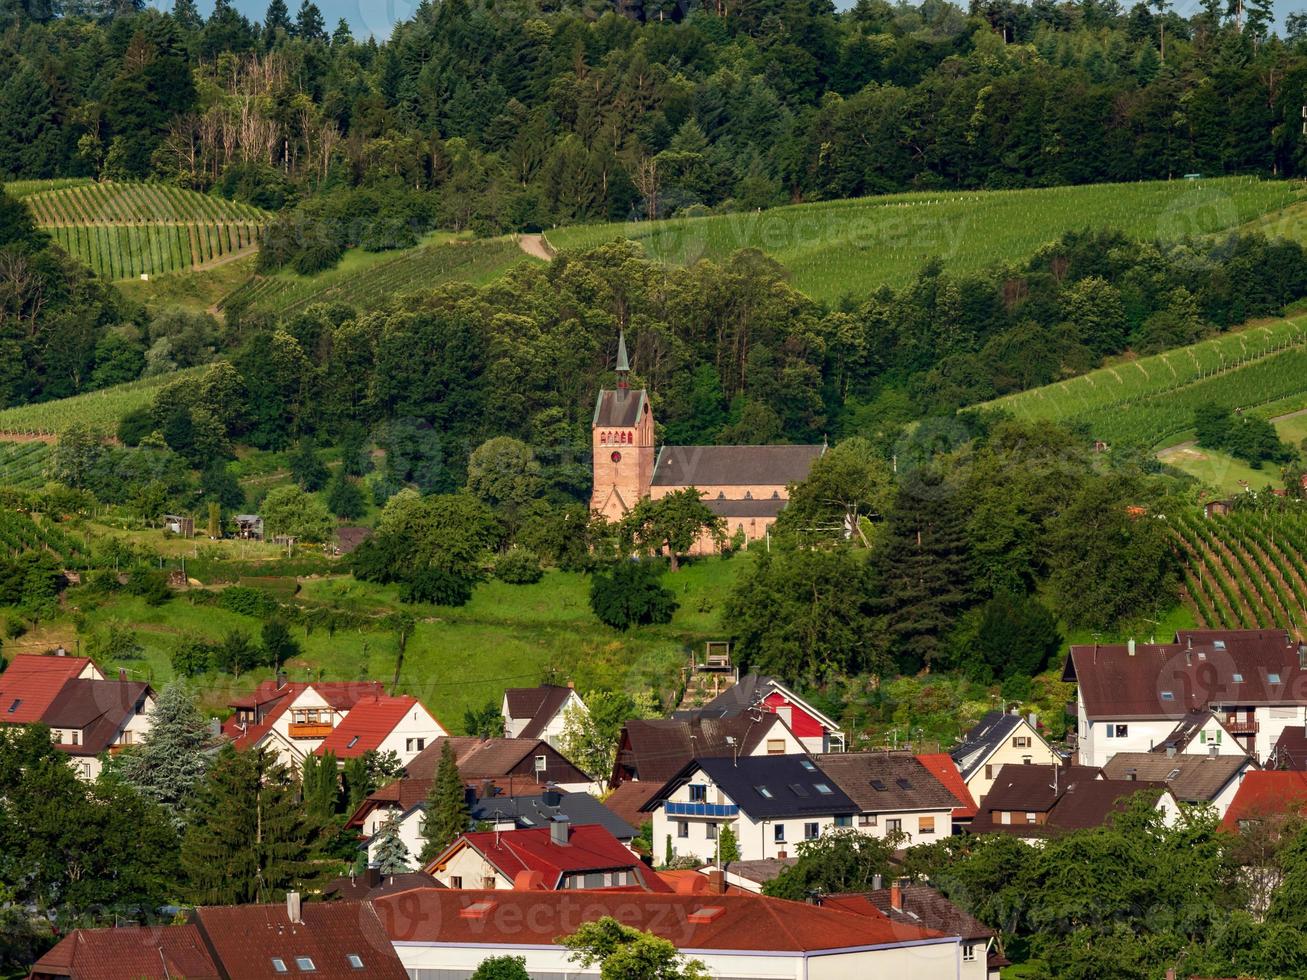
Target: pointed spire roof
(623,364)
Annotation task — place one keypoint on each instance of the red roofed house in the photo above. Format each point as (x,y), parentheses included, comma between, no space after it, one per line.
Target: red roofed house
(942,767)
(30,683)
(440,929)
(332,941)
(555,858)
(383,724)
(1265,796)
(294,719)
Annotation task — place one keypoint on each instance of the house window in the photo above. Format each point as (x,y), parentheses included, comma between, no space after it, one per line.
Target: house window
(867,820)
(305,964)
(711,828)
(989,772)
(925,825)
(541,763)
(811,831)
(455,881)
(968,952)
(1021,742)
(683,829)
(775,746)
(844,821)
(125,739)
(822,788)
(415,744)
(1122,731)
(279,965)
(488,883)
(778,833)
(1026,760)
(76,737)
(893,826)
(355,961)
(698,793)
(1031,817)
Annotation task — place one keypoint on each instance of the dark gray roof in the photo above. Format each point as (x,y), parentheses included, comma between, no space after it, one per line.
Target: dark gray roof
(882,782)
(747,691)
(535,811)
(726,466)
(767,786)
(979,743)
(761,870)
(735,507)
(619,407)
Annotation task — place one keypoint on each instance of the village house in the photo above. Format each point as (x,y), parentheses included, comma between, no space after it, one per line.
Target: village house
(942,767)
(1290,749)
(1131,696)
(772,804)
(1000,738)
(1201,732)
(754,693)
(921,905)
(447,933)
(540,712)
(894,794)
(88,716)
(656,749)
(556,857)
(378,723)
(333,941)
(1035,802)
(1270,796)
(745,486)
(1191,778)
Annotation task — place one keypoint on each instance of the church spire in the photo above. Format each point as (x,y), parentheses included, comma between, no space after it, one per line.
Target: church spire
(623,364)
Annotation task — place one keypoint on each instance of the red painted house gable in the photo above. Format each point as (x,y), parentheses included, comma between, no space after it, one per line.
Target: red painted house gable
(800,722)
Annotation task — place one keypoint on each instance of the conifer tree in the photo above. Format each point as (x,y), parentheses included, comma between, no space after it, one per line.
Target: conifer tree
(308,22)
(391,855)
(170,760)
(306,468)
(344,498)
(321,786)
(277,17)
(248,838)
(447,814)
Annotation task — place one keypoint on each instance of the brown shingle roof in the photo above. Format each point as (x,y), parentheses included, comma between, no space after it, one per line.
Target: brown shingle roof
(908,785)
(1030,788)
(712,466)
(658,748)
(1290,750)
(1192,778)
(626,800)
(484,758)
(540,704)
(1082,800)
(923,906)
(98,708)
(619,407)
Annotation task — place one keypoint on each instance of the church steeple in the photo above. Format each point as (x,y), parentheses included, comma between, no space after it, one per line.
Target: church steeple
(623,364)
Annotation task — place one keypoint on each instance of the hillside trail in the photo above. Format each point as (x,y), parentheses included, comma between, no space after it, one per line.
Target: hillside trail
(536,247)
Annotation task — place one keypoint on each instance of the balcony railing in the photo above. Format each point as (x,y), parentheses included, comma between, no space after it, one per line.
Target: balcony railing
(309,729)
(1248,726)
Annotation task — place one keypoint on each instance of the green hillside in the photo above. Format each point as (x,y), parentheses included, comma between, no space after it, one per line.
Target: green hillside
(124,230)
(1151,400)
(839,248)
(100,410)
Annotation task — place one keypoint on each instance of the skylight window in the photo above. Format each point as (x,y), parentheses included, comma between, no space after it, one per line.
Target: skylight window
(822,788)
(764,792)
(1238,678)
(903,783)
(879,785)
(1218,645)
(355,960)
(352,742)
(279,965)
(14,707)
(798,789)
(807,764)
(1168,696)
(1273,678)
(305,964)
(1172,774)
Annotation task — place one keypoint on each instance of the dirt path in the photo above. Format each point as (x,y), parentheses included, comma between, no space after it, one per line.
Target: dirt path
(536,246)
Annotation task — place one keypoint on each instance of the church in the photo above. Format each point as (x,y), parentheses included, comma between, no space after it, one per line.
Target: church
(746,486)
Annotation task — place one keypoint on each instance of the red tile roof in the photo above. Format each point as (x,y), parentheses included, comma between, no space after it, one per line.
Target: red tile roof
(272,700)
(1267,794)
(30,684)
(693,922)
(943,768)
(131,953)
(367,725)
(590,848)
(626,800)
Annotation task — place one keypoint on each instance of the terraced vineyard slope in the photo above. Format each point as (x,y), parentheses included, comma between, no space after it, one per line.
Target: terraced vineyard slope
(125,230)
(100,410)
(24,464)
(1245,570)
(852,247)
(1151,401)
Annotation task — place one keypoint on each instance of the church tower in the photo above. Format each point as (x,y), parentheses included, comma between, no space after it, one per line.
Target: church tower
(622,437)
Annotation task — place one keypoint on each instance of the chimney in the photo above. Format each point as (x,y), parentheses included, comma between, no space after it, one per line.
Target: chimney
(1170,973)
(281,678)
(122,673)
(1188,642)
(487,788)
(560,831)
(1302,656)
(571,685)
(60,652)
(1170,751)
(373,877)
(877,882)
(293,907)
(716,882)
(215,727)
(896,895)
(1130,646)
(1034,720)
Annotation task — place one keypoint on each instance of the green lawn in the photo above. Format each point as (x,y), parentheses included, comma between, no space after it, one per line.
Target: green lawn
(457,658)
(838,248)
(1219,471)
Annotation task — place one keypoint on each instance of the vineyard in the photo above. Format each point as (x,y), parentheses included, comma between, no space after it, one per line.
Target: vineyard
(421,268)
(1245,570)
(19,533)
(1152,400)
(838,248)
(23,464)
(100,410)
(26,188)
(125,230)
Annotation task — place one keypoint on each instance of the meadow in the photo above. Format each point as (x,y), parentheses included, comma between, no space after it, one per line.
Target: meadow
(124,230)
(840,248)
(100,410)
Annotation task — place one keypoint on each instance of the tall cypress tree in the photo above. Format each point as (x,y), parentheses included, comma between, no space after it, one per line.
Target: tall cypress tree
(170,760)
(447,814)
(923,564)
(321,786)
(248,838)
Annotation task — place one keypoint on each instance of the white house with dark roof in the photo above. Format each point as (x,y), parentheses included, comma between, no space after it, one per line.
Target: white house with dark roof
(1130,697)
(999,739)
(895,794)
(760,693)
(540,712)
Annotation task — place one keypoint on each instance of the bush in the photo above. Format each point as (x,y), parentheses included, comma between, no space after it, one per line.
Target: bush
(437,586)
(631,594)
(518,567)
(194,655)
(151,585)
(247,602)
(344,498)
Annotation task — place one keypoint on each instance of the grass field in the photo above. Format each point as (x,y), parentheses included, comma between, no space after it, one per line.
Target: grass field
(838,248)
(100,410)
(1150,401)
(198,290)
(368,279)
(124,230)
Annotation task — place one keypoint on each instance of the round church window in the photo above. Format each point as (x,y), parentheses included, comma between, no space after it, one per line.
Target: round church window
(617,456)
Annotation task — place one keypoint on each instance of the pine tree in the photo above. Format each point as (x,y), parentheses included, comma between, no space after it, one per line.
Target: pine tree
(728,846)
(358,782)
(321,786)
(447,814)
(248,838)
(924,566)
(308,22)
(276,18)
(187,15)
(170,760)
(391,855)
(342,34)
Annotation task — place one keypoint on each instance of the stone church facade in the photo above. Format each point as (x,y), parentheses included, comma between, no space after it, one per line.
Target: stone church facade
(746,486)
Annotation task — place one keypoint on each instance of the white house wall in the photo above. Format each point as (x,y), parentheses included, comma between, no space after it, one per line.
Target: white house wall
(1007,754)
(417,723)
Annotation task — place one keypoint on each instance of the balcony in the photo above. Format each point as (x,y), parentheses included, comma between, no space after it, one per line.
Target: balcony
(309,729)
(1246,726)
